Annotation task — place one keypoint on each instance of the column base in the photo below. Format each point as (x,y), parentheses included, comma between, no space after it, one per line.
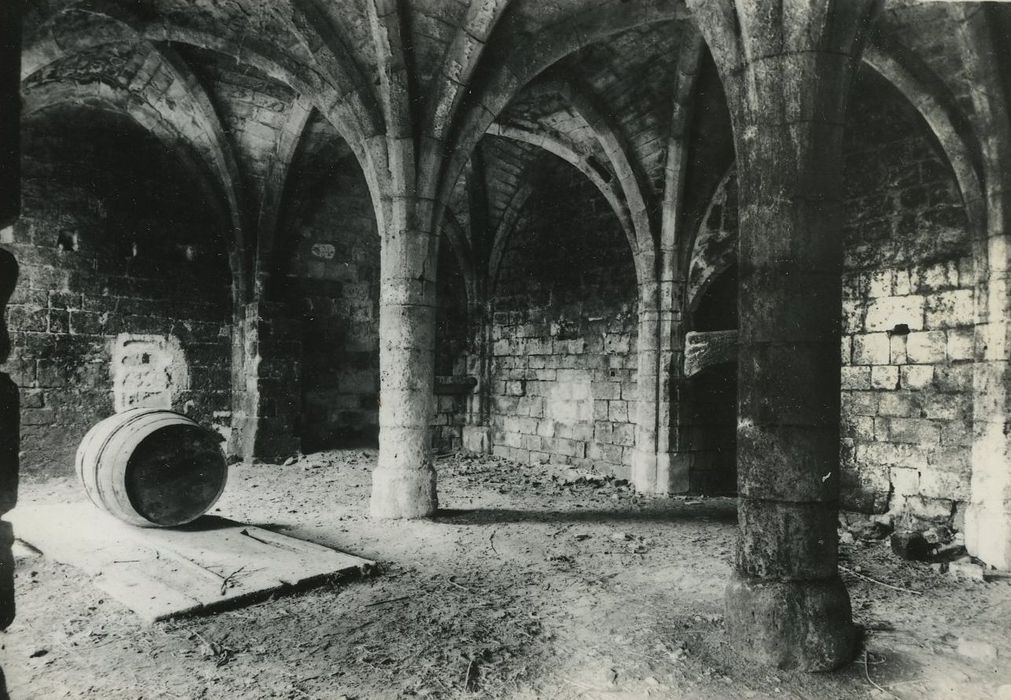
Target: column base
(477,439)
(403,493)
(803,625)
(988,535)
(644,476)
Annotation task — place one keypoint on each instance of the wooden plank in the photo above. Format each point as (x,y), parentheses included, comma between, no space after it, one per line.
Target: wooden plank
(160,573)
(298,561)
(146,595)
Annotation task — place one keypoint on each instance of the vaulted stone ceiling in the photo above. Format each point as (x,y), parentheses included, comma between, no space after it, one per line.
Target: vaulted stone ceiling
(592,82)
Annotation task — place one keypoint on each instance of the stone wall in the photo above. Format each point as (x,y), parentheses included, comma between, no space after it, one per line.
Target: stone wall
(453,387)
(908,312)
(124,293)
(564,332)
(328,275)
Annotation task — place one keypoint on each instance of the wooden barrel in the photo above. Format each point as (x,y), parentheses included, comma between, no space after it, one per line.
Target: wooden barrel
(152,467)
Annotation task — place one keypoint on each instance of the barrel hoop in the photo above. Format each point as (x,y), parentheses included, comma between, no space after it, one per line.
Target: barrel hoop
(116,431)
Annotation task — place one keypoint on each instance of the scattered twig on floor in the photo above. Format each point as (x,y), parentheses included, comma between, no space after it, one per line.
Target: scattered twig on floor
(470,677)
(253,537)
(228,579)
(462,588)
(491,541)
(126,561)
(384,602)
(880,583)
(363,625)
(867,675)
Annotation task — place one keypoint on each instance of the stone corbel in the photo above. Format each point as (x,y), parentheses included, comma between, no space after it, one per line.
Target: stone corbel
(707,348)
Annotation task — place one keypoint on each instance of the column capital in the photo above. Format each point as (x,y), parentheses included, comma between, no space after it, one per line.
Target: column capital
(785,63)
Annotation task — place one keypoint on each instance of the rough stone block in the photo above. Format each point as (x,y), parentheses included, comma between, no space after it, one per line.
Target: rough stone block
(926,348)
(898,404)
(916,431)
(884,377)
(886,454)
(856,377)
(886,313)
(859,403)
(939,484)
(617,411)
(605,453)
(902,284)
(880,284)
(871,349)
(916,377)
(951,309)
(623,434)
(905,481)
(961,345)
(953,379)
(933,278)
(948,407)
(897,354)
(855,426)
(852,316)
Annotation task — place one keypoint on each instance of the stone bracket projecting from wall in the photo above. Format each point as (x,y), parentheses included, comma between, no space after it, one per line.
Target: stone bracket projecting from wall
(709,348)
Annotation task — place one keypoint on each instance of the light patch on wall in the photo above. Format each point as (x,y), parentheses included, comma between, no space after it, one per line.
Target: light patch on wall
(148,371)
(7,234)
(570,401)
(324,251)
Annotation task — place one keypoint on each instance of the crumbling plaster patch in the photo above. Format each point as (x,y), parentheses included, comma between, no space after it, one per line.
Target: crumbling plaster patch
(148,371)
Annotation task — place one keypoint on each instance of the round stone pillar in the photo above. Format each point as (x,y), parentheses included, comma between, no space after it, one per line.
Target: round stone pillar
(786,68)
(403,483)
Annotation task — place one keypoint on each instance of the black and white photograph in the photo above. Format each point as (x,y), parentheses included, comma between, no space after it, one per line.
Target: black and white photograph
(505,349)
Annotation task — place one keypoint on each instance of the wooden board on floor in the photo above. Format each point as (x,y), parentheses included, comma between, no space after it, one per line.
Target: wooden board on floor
(161,573)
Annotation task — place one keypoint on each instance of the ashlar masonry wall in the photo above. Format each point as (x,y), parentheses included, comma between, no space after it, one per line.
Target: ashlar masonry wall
(564,332)
(124,293)
(908,313)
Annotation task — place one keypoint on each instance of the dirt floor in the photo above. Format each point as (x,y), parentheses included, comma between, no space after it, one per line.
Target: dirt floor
(525,586)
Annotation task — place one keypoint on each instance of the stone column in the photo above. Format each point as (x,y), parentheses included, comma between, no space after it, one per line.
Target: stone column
(266,384)
(786,68)
(988,517)
(672,442)
(646,476)
(477,431)
(403,483)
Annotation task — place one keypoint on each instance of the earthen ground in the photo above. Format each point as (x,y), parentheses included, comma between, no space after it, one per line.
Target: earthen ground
(523,587)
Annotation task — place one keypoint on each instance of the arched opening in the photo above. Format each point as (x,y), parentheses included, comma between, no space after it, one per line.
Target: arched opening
(711,395)
(908,316)
(124,298)
(564,330)
(327,273)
